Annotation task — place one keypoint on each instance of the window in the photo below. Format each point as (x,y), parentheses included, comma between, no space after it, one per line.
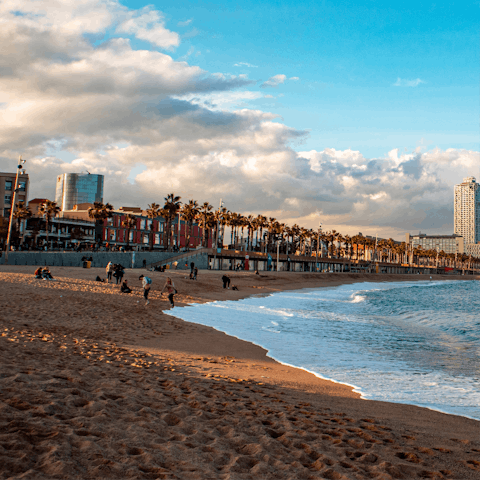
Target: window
(6,212)
(8,199)
(8,185)
(21,186)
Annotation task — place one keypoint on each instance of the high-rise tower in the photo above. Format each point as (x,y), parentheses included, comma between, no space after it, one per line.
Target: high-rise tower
(76,188)
(467,210)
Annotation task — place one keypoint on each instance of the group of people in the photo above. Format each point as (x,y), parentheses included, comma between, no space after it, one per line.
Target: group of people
(115,270)
(43,273)
(169,288)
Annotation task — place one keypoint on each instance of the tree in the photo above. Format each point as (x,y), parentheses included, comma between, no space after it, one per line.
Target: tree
(21,213)
(48,209)
(170,209)
(129,222)
(190,212)
(153,212)
(100,212)
(204,212)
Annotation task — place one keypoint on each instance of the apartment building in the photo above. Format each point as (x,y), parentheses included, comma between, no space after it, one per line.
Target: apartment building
(467,210)
(447,243)
(7,185)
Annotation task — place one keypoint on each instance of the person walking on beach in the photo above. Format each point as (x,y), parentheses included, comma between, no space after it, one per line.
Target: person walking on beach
(109,271)
(119,272)
(195,271)
(146,283)
(192,267)
(226,282)
(170,288)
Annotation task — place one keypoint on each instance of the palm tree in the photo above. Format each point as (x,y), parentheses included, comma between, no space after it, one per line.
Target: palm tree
(21,213)
(153,212)
(48,209)
(171,207)
(204,212)
(129,222)
(100,212)
(190,212)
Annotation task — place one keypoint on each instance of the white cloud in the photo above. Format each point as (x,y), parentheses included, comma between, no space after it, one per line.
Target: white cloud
(110,108)
(274,81)
(407,83)
(185,23)
(294,78)
(245,64)
(149,25)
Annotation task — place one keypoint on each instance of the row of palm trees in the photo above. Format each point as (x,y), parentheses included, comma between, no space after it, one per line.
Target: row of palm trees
(260,233)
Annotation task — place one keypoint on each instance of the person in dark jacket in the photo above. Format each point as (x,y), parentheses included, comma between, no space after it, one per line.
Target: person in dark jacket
(125,288)
(226,281)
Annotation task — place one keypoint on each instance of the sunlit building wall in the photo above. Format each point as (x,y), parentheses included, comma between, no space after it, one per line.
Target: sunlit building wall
(467,210)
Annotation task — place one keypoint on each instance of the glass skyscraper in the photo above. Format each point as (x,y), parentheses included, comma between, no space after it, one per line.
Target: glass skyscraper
(76,188)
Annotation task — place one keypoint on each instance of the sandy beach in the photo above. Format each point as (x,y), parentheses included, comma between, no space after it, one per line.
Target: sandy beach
(94,384)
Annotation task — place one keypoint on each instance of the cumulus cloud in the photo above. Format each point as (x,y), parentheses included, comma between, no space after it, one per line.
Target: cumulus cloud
(147,24)
(407,83)
(274,81)
(109,108)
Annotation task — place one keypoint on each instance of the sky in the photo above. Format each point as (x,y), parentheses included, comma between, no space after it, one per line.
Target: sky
(359,116)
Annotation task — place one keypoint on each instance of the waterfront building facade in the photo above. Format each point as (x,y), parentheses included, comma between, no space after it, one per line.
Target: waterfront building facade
(467,210)
(446,243)
(76,188)
(7,185)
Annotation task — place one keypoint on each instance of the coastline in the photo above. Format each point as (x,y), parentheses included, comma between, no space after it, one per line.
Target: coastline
(276,355)
(419,439)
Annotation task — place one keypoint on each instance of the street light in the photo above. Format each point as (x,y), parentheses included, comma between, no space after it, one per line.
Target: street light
(20,170)
(319,232)
(216,233)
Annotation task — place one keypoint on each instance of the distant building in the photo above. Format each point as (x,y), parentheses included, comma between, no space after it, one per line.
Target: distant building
(467,210)
(473,249)
(140,236)
(63,232)
(7,185)
(447,243)
(76,188)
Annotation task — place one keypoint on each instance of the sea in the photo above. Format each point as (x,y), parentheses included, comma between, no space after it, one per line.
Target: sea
(405,342)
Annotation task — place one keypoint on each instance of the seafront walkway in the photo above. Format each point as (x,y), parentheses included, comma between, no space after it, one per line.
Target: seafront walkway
(223,259)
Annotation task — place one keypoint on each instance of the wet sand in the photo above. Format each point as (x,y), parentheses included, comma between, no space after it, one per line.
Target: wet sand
(94,384)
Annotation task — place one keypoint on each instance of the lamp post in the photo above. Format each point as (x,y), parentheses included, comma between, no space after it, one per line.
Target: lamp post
(279,239)
(319,231)
(438,251)
(216,234)
(12,209)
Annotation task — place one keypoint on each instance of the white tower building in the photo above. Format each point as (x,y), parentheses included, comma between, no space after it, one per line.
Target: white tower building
(467,210)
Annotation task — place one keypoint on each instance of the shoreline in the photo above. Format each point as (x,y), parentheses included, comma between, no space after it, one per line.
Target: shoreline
(94,384)
(355,388)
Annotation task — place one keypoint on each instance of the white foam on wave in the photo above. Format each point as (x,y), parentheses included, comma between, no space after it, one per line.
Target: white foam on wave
(314,339)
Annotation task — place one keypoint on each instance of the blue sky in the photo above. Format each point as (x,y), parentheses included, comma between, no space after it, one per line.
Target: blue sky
(360,115)
(349,57)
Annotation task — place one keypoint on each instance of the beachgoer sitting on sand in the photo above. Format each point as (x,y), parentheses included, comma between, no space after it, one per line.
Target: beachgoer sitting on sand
(125,288)
(234,287)
(46,275)
(38,273)
(98,279)
(226,281)
(171,290)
